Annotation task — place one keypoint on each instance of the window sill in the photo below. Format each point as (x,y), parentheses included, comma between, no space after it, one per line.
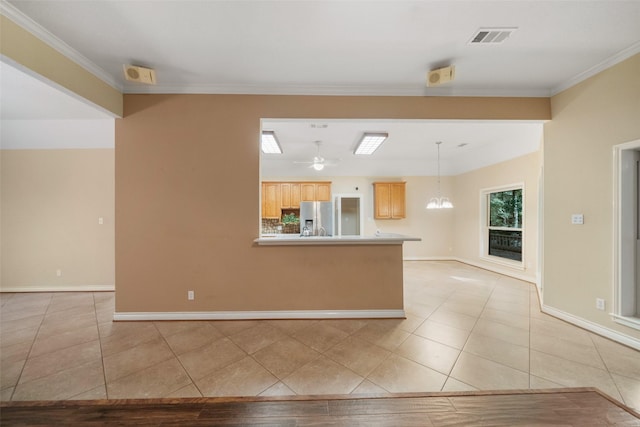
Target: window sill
(518,265)
(632,322)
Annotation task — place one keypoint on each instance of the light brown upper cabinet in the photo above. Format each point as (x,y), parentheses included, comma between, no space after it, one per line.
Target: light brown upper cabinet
(315,191)
(307,192)
(389,200)
(295,195)
(285,195)
(323,191)
(271,200)
(288,195)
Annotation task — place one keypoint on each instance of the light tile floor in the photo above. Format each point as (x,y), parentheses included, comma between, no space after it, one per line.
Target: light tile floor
(466,329)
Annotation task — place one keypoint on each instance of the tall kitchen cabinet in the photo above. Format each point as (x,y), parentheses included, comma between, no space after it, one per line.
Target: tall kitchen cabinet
(389,200)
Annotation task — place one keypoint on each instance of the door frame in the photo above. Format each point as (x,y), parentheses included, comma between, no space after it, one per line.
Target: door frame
(621,262)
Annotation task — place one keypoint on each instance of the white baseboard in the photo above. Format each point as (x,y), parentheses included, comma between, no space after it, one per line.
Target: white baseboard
(484,266)
(261,315)
(593,327)
(87,288)
(431,258)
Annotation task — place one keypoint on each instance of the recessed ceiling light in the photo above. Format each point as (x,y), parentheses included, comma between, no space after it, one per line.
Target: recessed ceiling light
(269,143)
(370,143)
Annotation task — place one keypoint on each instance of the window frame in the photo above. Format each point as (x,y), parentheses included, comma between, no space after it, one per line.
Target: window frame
(485,227)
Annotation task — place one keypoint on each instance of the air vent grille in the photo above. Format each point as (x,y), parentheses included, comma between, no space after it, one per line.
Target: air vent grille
(491,35)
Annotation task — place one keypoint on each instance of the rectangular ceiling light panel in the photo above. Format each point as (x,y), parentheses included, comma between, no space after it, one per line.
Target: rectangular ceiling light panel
(269,143)
(491,35)
(370,143)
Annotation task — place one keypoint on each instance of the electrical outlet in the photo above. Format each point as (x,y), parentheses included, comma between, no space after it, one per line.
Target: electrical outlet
(191,295)
(100,220)
(58,272)
(599,303)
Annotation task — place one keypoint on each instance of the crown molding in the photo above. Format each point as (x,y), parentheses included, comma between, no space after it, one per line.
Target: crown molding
(47,37)
(328,90)
(598,68)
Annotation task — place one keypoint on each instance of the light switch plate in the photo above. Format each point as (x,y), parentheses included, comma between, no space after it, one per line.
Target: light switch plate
(577,219)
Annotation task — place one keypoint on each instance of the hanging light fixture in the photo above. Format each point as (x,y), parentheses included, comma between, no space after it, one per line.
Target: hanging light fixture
(318,161)
(439,202)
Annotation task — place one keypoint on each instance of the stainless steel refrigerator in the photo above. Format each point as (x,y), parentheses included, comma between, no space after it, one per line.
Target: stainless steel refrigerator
(316,219)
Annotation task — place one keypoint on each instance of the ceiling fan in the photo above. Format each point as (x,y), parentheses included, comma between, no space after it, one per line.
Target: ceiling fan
(318,162)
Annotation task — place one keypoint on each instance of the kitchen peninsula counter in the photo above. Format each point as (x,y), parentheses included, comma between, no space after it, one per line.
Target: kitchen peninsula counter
(297,240)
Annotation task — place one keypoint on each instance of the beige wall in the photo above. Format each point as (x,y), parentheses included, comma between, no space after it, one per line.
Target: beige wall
(433,227)
(51,202)
(468,215)
(588,120)
(187,204)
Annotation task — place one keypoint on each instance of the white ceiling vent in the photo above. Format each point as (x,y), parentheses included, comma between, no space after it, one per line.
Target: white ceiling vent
(491,35)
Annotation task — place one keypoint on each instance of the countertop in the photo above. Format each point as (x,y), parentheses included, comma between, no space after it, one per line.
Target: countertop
(297,240)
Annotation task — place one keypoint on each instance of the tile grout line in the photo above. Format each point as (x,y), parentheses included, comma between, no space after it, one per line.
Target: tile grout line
(607,368)
(104,372)
(467,340)
(179,361)
(324,353)
(35,337)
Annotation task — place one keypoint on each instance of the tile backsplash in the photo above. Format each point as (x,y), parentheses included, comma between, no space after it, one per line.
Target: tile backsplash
(274,226)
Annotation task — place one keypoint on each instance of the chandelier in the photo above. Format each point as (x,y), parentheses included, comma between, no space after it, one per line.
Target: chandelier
(439,202)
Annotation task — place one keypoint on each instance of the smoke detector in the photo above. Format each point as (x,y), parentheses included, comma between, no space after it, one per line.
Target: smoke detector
(491,35)
(138,74)
(440,76)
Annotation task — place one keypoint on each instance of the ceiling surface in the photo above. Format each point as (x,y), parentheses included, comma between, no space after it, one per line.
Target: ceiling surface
(341,47)
(356,47)
(24,96)
(410,149)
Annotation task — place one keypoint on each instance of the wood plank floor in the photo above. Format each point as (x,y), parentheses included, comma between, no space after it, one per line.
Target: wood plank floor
(554,407)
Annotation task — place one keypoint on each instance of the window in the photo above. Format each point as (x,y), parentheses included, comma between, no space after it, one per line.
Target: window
(504,224)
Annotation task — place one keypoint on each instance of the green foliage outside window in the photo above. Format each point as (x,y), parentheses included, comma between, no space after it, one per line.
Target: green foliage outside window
(505,209)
